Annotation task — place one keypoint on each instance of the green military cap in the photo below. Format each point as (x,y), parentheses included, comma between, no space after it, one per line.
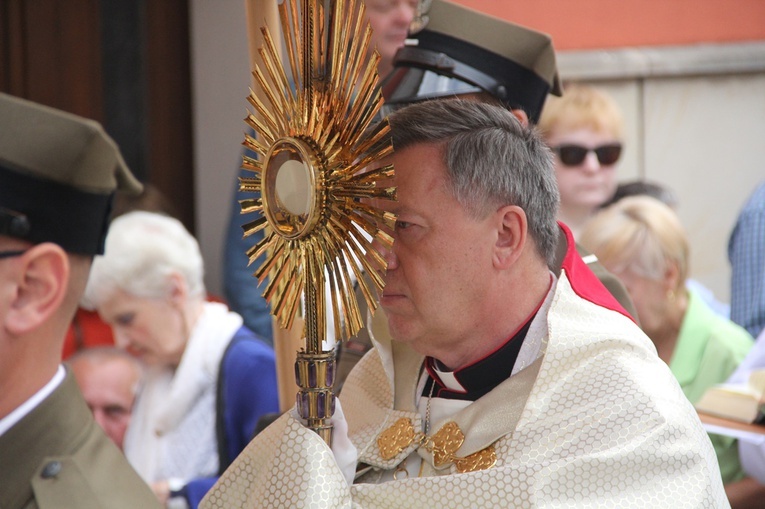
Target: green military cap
(462,51)
(58,175)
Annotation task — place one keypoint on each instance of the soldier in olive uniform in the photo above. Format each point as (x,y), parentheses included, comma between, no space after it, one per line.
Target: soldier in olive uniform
(58,173)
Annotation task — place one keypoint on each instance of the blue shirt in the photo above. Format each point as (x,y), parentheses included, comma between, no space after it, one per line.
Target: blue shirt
(746,251)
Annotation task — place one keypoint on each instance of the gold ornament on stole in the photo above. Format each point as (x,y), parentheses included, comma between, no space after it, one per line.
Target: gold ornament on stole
(443,445)
(317,170)
(396,438)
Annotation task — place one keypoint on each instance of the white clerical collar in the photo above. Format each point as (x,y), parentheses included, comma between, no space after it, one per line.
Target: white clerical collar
(22,410)
(448,379)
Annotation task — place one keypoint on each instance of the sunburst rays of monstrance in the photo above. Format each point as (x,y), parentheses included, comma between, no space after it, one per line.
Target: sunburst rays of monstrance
(314,146)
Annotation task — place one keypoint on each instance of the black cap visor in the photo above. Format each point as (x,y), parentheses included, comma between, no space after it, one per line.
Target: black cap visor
(39,210)
(407,85)
(461,68)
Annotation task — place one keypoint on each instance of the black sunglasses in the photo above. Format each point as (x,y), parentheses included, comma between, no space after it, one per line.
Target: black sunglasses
(573,155)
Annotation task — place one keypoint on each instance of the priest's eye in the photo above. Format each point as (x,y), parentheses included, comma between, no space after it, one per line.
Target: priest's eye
(402,225)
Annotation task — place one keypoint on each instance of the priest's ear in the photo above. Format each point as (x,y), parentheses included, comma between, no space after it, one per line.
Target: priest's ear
(37,287)
(512,231)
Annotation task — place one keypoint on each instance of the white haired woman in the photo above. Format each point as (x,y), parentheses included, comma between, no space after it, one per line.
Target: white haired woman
(208,380)
(641,241)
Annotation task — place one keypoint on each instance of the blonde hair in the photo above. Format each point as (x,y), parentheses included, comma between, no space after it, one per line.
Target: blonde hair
(582,107)
(641,234)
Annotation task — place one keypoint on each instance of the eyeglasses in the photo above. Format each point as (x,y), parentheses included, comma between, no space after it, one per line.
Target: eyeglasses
(573,155)
(11,254)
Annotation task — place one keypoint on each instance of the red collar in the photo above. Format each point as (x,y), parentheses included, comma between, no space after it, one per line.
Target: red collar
(584,283)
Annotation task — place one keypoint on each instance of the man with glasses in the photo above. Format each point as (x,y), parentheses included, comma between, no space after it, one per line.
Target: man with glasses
(466,54)
(58,173)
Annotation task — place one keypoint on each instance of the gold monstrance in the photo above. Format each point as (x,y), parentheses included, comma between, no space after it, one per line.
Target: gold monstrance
(315,143)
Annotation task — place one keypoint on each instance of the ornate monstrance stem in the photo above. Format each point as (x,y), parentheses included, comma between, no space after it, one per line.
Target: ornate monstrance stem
(316,142)
(315,368)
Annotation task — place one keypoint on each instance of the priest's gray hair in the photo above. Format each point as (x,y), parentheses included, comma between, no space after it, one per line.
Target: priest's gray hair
(143,250)
(491,161)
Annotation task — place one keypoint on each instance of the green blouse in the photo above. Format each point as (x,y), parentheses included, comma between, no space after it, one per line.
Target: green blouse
(709,348)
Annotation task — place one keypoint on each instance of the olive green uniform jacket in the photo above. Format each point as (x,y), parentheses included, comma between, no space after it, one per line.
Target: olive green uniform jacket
(58,456)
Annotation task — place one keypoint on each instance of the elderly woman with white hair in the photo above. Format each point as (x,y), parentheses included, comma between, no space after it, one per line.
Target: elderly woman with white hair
(208,379)
(641,241)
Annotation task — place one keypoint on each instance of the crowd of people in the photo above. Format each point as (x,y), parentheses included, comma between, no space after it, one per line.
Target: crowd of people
(541,339)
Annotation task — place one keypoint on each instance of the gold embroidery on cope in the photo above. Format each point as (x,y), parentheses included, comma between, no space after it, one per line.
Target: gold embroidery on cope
(443,445)
(480,460)
(396,438)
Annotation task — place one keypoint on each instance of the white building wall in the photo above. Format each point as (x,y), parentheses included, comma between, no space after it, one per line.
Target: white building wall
(705,138)
(220,84)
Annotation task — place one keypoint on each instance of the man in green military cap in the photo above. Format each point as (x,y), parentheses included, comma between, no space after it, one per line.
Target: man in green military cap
(58,173)
(459,52)
(467,54)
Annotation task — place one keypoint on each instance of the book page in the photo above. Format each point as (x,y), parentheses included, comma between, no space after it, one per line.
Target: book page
(757,382)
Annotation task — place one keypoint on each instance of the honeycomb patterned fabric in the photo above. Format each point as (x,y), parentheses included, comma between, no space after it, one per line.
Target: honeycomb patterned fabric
(597,420)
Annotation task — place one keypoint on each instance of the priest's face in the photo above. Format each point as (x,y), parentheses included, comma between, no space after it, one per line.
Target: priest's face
(440,262)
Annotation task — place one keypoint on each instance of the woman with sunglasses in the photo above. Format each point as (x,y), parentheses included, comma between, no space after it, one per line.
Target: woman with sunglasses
(585,130)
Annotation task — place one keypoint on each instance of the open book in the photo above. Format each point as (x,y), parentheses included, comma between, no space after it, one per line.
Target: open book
(743,403)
